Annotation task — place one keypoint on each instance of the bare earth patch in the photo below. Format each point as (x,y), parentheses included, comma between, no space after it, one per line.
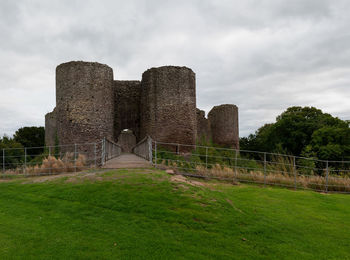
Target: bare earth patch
(182,179)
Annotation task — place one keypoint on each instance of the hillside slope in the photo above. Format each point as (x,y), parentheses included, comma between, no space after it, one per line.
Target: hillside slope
(148,214)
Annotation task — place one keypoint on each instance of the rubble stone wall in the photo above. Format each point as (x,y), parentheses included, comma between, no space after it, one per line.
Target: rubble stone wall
(91,105)
(203,127)
(168,105)
(127,96)
(223,121)
(50,128)
(84,102)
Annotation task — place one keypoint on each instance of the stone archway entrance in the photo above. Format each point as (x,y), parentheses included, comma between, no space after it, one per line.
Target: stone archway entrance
(127,140)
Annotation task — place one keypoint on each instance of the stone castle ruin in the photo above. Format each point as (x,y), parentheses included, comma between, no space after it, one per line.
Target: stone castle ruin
(91,105)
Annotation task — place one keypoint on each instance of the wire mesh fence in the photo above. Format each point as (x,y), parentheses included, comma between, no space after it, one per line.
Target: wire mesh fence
(144,148)
(110,150)
(254,167)
(193,160)
(56,159)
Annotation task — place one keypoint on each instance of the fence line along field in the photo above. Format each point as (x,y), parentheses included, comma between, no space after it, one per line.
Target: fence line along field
(193,160)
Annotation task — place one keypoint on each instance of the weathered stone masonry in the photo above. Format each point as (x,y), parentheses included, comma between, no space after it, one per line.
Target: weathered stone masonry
(91,105)
(168,104)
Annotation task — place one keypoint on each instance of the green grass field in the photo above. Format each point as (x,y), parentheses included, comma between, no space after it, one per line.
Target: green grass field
(143,214)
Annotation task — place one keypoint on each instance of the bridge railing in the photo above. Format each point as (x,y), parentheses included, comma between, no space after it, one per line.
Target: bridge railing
(144,149)
(110,150)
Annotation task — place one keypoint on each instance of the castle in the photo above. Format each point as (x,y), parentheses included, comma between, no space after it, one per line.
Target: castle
(91,105)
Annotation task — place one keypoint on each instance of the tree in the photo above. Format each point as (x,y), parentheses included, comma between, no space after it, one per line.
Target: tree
(293,132)
(31,137)
(14,152)
(330,143)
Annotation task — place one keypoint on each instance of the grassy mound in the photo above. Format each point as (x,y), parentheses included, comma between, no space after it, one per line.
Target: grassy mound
(150,215)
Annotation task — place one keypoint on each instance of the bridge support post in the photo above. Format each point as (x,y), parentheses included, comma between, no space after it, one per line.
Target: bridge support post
(155,154)
(103,152)
(95,154)
(75,157)
(150,154)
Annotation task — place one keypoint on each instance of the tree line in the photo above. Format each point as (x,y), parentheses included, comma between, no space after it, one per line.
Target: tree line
(303,131)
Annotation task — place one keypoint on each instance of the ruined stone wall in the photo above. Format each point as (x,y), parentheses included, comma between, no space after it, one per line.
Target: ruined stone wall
(90,105)
(223,121)
(84,102)
(203,127)
(127,141)
(127,107)
(168,105)
(50,128)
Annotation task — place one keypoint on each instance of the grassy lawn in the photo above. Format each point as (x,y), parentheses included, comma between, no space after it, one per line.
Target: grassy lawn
(128,214)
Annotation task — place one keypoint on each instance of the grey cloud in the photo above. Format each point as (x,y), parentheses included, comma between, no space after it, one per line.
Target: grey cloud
(263,55)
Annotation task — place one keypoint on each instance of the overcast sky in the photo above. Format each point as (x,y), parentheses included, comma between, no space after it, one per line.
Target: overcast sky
(262,55)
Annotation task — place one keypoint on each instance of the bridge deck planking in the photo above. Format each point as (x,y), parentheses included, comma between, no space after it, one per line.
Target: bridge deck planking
(127,160)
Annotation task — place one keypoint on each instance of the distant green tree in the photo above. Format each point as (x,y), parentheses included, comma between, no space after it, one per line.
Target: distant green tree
(31,137)
(329,143)
(296,132)
(12,151)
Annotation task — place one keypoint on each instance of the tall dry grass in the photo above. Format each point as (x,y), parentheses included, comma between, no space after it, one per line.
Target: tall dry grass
(279,174)
(53,165)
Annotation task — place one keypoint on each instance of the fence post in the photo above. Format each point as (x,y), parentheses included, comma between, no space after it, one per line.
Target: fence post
(295,173)
(25,160)
(206,157)
(327,173)
(236,157)
(264,169)
(3,161)
(95,155)
(155,154)
(150,149)
(178,148)
(103,151)
(50,160)
(75,157)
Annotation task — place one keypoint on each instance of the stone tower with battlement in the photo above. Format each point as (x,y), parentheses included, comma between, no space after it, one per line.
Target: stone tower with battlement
(91,105)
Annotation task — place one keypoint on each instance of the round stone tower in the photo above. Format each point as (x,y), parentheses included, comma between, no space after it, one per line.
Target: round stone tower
(84,102)
(168,105)
(223,122)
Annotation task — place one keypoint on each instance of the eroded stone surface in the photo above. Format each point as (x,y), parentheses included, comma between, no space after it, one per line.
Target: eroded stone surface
(223,121)
(91,105)
(84,102)
(168,105)
(50,128)
(203,127)
(127,106)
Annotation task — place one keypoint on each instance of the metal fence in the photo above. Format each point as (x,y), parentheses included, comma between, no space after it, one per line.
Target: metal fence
(191,160)
(144,148)
(56,159)
(110,150)
(253,167)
